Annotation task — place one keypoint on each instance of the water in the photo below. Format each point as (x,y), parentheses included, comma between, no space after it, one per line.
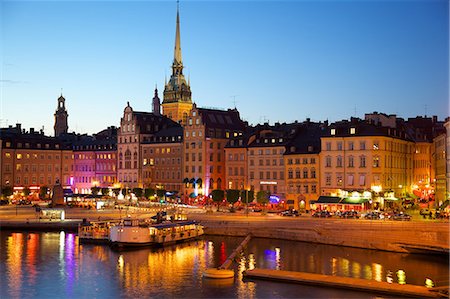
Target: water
(54,265)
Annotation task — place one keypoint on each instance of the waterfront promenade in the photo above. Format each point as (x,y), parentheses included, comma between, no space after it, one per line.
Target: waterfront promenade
(397,236)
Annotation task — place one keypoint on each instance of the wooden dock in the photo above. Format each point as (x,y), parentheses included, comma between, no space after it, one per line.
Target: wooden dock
(405,290)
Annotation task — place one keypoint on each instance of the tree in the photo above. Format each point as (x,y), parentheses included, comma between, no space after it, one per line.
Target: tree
(7,191)
(124,191)
(26,191)
(218,196)
(160,192)
(232,195)
(116,191)
(138,192)
(262,197)
(43,190)
(149,192)
(247,196)
(95,190)
(105,191)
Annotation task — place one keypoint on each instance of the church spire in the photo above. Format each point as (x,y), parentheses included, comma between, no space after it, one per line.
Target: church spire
(177,55)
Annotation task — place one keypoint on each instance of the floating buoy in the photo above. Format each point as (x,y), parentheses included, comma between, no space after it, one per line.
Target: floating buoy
(218,273)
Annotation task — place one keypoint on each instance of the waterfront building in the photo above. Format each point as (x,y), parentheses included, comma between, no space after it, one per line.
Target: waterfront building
(266,147)
(440,169)
(32,160)
(366,162)
(423,130)
(447,158)
(236,155)
(162,162)
(135,128)
(302,165)
(95,161)
(61,126)
(206,134)
(177,101)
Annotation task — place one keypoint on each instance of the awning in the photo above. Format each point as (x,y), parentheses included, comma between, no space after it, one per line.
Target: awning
(391,198)
(354,201)
(326,200)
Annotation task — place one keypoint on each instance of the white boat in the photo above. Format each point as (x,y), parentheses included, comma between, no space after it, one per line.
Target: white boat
(132,232)
(95,232)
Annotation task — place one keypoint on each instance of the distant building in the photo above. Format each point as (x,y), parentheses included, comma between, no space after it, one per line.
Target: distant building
(32,160)
(61,117)
(95,161)
(136,128)
(302,165)
(206,134)
(177,102)
(162,162)
(366,162)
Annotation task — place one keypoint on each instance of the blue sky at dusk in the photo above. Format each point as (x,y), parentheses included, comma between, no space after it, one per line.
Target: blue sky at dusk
(280,61)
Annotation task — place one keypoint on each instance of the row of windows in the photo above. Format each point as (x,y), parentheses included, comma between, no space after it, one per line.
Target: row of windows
(267,152)
(34,156)
(33,180)
(303,161)
(351,162)
(349,182)
(236,157)
(302,189)
(298,173)
(33,167)
(99,166)
(27,145)
(261,162)
(237,171)
(268,175)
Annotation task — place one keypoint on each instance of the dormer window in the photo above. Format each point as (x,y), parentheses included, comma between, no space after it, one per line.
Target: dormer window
(333,131)
(353,131)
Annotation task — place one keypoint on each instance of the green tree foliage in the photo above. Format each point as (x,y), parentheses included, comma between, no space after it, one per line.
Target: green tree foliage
(124,191)
(250,196)
(233,195)
(262,197)
(43,190)
(160,192)
(116,191)
(105,191)
(149,192)
(26,191)
(95,190)
(218,195)
(7,191)
(138,192)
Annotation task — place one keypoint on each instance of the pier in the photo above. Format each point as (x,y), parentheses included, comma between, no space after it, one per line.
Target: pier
(222,271)
(404,290)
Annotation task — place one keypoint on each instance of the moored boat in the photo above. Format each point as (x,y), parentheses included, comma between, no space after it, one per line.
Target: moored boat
(134,233)
(95,232)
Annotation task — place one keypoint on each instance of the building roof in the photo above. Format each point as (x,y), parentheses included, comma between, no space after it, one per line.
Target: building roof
(221,119)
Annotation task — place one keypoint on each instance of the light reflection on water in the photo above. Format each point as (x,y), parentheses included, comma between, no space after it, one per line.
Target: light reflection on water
(35,265)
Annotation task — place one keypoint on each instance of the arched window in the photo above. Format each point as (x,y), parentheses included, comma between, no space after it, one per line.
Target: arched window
(219,183)
(127,159)
(290,174)
(297,173)
(313,173)
(211,183)
(305,173)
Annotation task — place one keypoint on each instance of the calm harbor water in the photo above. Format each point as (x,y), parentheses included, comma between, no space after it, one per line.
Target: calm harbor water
(54,265)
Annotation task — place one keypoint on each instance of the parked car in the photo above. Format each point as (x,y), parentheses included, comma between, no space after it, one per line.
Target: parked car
(322,214)
(290,213)
(401,216)
(349,214)
(373,215)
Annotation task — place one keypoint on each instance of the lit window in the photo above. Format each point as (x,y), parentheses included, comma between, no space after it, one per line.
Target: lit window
(19,156)
(352,131)
(333,131)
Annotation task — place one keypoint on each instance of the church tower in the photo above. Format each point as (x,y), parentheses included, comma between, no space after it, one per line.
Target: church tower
(177,102)
(61,117)
(156,103)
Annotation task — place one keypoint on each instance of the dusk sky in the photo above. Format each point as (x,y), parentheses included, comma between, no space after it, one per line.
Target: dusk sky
(279,61)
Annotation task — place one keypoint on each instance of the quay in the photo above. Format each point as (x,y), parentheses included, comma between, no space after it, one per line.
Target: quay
(404,290)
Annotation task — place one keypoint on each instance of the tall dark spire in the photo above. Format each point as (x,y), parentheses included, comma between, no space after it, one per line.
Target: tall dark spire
(156,103)
(177,53)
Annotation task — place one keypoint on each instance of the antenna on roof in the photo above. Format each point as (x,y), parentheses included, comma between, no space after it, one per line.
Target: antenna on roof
(425,110)
(234,100)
